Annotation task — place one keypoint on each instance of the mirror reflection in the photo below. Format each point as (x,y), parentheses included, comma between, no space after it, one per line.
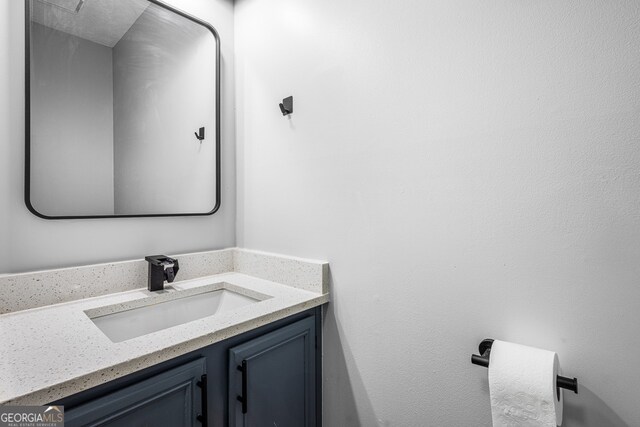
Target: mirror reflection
(123,110)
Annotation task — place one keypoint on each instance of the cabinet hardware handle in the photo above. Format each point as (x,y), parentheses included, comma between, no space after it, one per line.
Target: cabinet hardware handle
(244,398)
(204,417)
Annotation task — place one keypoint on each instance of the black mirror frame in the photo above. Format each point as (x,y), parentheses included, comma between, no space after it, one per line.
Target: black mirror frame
(27,181)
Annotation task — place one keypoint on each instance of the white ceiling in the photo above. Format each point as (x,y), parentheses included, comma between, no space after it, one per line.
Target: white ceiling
(100,21)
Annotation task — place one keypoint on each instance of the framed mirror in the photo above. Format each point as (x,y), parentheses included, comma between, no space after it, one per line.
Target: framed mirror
(122,110)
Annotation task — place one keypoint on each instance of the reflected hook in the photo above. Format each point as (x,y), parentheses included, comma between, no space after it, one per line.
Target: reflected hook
(200,134)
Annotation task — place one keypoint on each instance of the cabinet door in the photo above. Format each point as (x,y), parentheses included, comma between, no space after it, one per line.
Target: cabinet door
(272,379)
(171,398)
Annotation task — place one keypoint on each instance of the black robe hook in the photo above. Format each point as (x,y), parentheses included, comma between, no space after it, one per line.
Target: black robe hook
(286,106)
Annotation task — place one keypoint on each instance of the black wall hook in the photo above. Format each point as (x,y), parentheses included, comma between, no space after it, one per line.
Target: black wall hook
(483,360)
(286,106)
(200,134)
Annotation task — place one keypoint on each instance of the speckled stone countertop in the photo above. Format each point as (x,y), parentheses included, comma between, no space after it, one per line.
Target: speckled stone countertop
(55,351)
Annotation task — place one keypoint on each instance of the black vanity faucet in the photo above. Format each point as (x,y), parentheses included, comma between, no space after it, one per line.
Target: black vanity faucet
(161,268)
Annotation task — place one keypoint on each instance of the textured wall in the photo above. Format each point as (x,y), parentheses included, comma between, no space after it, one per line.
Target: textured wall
(7,80)
(28,242)
(470,169)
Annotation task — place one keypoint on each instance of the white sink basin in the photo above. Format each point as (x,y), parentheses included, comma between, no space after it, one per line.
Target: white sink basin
(156,316)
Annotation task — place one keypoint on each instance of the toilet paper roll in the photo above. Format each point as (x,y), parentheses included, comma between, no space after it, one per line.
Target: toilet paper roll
(522,386)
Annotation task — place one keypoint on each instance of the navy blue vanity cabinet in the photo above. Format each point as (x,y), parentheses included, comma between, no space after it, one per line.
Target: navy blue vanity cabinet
(272,378)
(284,375)
(172,398)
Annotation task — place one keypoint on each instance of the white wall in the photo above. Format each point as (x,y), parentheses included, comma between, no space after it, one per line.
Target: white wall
(164,91)
(71,124)
(28,242)
(470,169)
(6,132)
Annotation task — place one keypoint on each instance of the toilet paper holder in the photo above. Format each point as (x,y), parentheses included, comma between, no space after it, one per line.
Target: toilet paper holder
(483,360)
